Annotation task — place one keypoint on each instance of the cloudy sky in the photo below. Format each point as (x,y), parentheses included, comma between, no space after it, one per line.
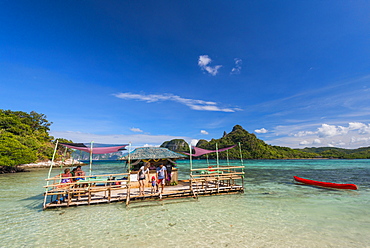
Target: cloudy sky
(295,73)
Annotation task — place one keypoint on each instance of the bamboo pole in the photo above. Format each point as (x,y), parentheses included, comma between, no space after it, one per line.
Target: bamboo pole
(129,175)
(218,164)
(52,160)
(103,175)
(191,162)
(129,159)
(51,166)
(241,155)
(191,168)
(227,157)
(91,152)
(218,167)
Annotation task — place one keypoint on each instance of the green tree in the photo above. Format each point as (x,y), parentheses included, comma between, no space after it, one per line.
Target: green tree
(24,137)
(13,152)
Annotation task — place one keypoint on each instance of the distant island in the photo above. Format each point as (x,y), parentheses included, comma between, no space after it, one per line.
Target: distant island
(254,148)
(25,139)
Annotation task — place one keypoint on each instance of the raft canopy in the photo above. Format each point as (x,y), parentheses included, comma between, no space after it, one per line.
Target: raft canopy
(96,148)
(201,151)
(152,153)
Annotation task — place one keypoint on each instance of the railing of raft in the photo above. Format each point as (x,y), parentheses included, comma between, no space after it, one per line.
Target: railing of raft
(218,178)
(59,192)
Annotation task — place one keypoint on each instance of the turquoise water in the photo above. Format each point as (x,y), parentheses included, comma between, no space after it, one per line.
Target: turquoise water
(273,211)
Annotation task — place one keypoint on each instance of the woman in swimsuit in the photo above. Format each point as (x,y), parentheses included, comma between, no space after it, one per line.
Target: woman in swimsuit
(67,173)
(141,177)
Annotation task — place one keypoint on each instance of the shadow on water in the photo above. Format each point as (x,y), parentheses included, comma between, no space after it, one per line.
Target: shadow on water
(321,188)
(160,203)
(35,202)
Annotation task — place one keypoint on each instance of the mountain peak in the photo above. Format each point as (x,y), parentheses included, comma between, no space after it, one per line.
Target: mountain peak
(237,127)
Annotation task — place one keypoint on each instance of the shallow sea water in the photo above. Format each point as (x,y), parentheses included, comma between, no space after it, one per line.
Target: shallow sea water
(273,212)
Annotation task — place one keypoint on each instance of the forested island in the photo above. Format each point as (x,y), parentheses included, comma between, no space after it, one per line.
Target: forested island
(25,138)
(254,148)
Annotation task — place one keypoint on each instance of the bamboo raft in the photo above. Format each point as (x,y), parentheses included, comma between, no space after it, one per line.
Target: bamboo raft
(99,189)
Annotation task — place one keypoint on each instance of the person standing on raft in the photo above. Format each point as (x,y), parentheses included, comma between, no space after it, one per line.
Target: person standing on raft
(161,175)
(141,177)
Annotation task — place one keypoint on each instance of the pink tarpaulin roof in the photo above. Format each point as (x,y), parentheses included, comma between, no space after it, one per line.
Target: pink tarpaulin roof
(97,148)
(201,151)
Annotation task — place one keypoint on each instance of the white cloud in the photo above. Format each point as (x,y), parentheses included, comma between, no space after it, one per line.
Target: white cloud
(353,135)
(136,130)
(262,130)
(303,133)
(331,130)
(238,66)
(304,143)
(356,125)
(361,127)
(327,130)
(341,143)
(191,103)
(203,132)
(204,62)
(148,145)
(194,142)
(364,141)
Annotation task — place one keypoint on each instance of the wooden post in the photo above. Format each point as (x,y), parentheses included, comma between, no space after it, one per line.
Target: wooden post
(89,197)
(128,195)
(68,197)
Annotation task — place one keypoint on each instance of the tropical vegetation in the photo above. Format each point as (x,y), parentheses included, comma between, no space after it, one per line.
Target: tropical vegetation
(24,138)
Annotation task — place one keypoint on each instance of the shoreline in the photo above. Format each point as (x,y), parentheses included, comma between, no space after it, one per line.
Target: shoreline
(42,164)
(47,164)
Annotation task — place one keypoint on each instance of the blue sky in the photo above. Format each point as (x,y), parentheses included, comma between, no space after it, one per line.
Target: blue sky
(295,73)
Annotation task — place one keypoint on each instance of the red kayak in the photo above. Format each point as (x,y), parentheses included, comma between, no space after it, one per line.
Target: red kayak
(326,184)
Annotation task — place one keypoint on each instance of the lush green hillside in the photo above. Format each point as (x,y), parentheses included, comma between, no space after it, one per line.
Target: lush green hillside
(24,138)
(333,152)
(254,148)
(176,145)
(251,146)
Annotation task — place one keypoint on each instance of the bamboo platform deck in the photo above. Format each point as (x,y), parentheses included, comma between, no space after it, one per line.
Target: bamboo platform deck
(82,196)
(72,194)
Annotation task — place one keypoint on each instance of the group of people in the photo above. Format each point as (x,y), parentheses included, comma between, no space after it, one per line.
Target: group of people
(72,176)
(143,175)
